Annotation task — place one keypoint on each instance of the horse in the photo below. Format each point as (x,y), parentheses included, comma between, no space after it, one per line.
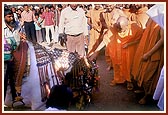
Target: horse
(55,66)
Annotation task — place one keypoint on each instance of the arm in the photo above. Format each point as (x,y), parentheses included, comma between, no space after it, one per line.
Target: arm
(159,44)
(22,18)
(130,43)
(136,38)
(98,41)
(34,19)
(61,23)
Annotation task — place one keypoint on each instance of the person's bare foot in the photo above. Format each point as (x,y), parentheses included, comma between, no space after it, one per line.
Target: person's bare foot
(142,101)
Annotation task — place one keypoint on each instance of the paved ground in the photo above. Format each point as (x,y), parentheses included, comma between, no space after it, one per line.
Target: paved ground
(115,98)
(108,98)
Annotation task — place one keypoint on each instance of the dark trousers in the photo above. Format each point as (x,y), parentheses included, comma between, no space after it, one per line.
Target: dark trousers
(30,31)
(43,32)
(9,78)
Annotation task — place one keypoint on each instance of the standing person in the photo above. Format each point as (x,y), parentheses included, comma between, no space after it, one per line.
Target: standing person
(48,17)
(19,13)
(9,45)
(38,28)
(11,41)
(141,15)
(74,24)
(106,21)
(28,20)
(95,25)
(57,20)
(15,14)
(43,31)
(149,59)
(108,18)
(122,48)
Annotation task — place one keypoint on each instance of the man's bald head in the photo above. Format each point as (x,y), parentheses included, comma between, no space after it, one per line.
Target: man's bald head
(122,23)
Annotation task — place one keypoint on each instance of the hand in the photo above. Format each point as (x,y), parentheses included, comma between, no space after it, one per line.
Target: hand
(61,35)
(145,57)
(22,37)
(125,45)
(93,55)
(86,40)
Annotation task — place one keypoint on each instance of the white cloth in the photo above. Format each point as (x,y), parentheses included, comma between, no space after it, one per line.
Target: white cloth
(73,21)
(13,33)
(53,109)
(159,91)
(156,12)
(48,28)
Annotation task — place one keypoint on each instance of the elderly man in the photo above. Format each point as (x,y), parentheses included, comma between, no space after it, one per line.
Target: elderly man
(122,48)
(73,23)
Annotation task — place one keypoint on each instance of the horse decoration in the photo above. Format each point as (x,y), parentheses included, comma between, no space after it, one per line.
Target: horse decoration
(82,79)
(53,66)
(79,74)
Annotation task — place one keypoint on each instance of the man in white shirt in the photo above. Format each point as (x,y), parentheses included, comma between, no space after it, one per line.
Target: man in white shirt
(73,23)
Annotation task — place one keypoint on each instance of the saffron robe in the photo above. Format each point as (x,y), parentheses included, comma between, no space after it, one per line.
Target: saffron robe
(122,57)
(95,31)
(146,73)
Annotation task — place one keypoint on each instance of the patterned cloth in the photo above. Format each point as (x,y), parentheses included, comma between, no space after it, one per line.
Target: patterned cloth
(9,46)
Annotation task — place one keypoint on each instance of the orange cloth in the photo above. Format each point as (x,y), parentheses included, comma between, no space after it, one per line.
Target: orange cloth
(94,16)
(122,57)
(146,73)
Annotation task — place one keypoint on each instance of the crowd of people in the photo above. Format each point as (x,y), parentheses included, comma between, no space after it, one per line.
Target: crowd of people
(133,42)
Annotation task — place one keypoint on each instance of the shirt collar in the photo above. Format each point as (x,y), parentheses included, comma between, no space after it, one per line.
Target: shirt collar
(13,29)
(74,10)
(5,27)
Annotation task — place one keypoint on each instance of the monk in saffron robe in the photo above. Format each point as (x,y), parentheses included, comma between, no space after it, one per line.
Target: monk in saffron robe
(149,59)
(141,15)
(94,22)
(137,13)
(107,18)
(106,22)
(122,48)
